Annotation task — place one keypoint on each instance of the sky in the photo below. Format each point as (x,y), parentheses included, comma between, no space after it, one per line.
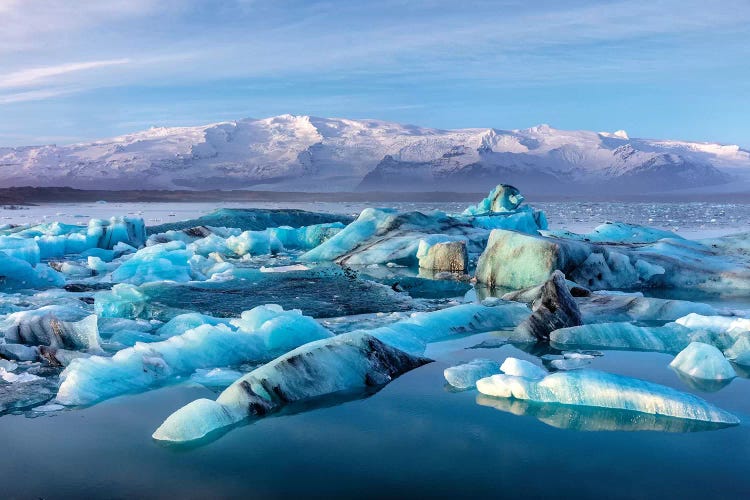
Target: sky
(76,70)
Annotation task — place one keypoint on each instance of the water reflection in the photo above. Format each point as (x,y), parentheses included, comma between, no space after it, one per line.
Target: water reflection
(701,384)
(293,408)
(585,418)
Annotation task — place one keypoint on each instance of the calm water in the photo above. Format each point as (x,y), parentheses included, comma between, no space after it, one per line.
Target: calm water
(413,437)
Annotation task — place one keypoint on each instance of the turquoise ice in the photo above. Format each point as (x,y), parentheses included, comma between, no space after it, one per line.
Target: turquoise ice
(606,390)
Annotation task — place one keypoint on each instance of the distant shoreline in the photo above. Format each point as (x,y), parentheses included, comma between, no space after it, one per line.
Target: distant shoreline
(37,195)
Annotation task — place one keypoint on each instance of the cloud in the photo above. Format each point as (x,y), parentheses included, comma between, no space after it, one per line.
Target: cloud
(35,95)
(35,76)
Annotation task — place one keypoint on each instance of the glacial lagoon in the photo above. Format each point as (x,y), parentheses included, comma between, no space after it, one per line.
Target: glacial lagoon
(409,430)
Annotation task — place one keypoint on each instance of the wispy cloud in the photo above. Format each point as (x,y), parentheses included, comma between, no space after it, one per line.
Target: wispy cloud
(35,76)
(34,95)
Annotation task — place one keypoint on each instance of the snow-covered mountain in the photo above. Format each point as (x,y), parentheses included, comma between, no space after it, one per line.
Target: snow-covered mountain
(303,153)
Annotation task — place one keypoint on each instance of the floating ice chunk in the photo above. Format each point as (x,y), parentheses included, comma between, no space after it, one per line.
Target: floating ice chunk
(142,366)
(54,326)
(347,362)
(703,361)
(18,378)
(523,220)
(19,352)
(443,253)
(381,236)
(17,273)
(8,366)
(366,225)
(607,390)
(167,261)
(503,198)
(715,323)
(184,322)
(284,269)
(610,307)
(122,301)
(108,233)
(413,334)
(521,368)
(215,377)
(171,261)
(517,260)
(669,338)
(555,308)
(254,243)
(20,248)
(306,237)
(465,375)
(569,360)
(618,232)
(739,352)
(49,408)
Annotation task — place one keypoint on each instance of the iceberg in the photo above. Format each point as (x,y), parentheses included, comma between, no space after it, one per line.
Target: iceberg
(516,260)
(347,362)
(166,261)
(122,301)
(16,397)
(599,389)
(54,240)
(522,368)
(703,361)
(262,334)
(54,326)
(726,333)
(253,219)
(635,307)
(438,253)
(254,243)
(739,351)
(18,273)
(19,352)
(502,199)
(554,309)
(23,249)
(351,361)
(465,375)
(669,338)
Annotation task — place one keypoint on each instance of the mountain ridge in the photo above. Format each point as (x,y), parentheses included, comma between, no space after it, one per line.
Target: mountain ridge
(306,153)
